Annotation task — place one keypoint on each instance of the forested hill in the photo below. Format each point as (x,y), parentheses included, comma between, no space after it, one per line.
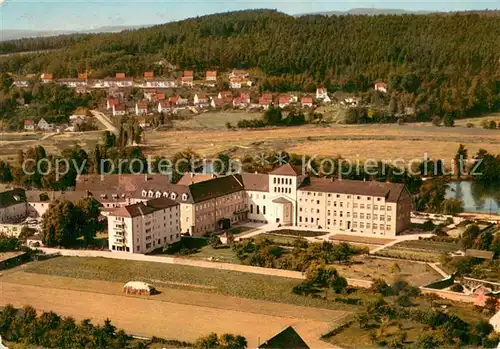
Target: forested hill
(454,52)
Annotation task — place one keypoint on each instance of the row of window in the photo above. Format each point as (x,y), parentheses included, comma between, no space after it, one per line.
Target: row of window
(282,190)
(308,193)
(281,180)
(257,209)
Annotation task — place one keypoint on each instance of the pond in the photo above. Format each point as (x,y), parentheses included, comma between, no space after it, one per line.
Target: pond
(475,196)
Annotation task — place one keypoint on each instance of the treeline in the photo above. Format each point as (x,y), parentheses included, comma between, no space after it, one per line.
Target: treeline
(433,63)
(49,330)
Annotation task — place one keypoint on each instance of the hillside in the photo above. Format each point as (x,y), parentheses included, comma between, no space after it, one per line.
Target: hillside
(448,62)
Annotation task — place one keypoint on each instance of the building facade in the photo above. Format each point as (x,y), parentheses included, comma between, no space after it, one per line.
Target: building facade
(145,226)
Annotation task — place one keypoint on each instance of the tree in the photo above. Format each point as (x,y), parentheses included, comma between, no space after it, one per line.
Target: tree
(87,212)
(221,166)
(449,120)
(58,225)
(452,206)
(225,341)
(469,236)
(380,286)
(272,116)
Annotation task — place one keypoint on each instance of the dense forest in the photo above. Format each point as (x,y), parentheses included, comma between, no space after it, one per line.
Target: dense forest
(440,64)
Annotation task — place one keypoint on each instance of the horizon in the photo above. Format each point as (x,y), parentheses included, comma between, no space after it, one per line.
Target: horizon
(28,15)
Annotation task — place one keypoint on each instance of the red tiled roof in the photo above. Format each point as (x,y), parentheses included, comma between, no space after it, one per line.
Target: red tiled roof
(149,75)
(164,104)
(287,170)
(47,76)
(120,75)
(265,101)
(219,101)
(188,73)
(211,73)
(29,122)
(120,107)
(284,100)
(174,99)
(83,76)
(142,105)
(160,96)
(306,100)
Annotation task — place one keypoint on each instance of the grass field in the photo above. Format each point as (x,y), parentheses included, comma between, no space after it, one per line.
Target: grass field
(215,120)
(230,283)
(280,239)
(427,245)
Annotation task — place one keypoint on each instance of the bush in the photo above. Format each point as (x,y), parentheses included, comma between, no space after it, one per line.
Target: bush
(470,125)
(436,121)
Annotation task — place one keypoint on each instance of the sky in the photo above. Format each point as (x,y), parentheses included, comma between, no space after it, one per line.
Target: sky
(67,15)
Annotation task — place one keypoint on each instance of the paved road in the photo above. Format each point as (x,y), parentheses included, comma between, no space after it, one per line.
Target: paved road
(105,121)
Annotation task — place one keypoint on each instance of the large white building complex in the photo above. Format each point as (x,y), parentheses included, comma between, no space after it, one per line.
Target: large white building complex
(147,212)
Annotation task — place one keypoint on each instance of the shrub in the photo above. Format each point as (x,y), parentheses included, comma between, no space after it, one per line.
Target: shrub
(436,121)
(470,125)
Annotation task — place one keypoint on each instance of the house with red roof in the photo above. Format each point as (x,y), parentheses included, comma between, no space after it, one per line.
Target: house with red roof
(119,109)
(306,102)
(163,107)
(110,102)
(265,103)
(149,93)
(211,75)
(149,75)
(141,108)
(29,125)
(46,78)
(200,99)
(381,87)
(284,101)
(159,96)
(217,102)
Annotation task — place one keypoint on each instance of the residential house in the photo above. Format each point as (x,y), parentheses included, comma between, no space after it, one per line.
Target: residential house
(163,107)
(187,78)
(144,226)
(29,125)
(284,101)
(177,101)
(307,102)
(217,102)
(200,99)
(149,75)
(381,87)
(149,93)
(83,76)
(239,103)
(72,82)
(322,94)
(44,125)
(159,83)
(245,97)
(46,78)
(110,102)
(235,82)
(21,82)
(265,103)
(226,95)
(239,73)
(141,108)
(120,80)
(211,75)
(119,109)
(159,96)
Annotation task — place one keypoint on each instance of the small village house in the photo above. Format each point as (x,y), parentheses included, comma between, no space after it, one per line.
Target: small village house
(110,102)
(239,73)
(322,94)
(141,108)
(307,102)
(226,95)
(21,82)
(177,100)
(284,101)
(245,97)
(160,96)
(200,99)
(265,103)
(83,76)
(29,125)
(149,93)
(149,75)
(381,87)
(44,125)
(119,109)
(211,75)
(163,107)
(217,102)
(46,78)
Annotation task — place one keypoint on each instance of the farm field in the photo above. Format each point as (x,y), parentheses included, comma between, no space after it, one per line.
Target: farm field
(360,141)
(420,250)
(206,134)
(189,314)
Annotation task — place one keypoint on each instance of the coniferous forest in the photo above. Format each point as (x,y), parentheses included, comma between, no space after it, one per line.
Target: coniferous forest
(444,64)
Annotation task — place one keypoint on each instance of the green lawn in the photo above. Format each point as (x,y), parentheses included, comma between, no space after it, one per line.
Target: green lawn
(430,246)
(231,283)
(221,254)
(299,233)
(280,239)
(215,120)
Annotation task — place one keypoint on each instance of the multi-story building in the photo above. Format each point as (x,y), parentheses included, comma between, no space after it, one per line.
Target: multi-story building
(287,196)
(144,226)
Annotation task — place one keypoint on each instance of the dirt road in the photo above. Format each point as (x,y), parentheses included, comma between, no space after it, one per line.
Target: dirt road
(148,316)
